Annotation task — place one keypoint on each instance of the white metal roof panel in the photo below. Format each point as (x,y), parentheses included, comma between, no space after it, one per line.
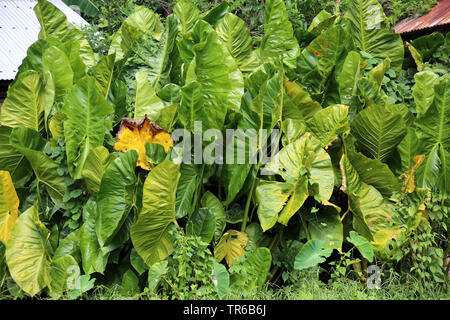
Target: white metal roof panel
(19,29)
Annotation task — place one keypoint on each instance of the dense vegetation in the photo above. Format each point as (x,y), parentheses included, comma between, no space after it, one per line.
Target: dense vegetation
(93,191)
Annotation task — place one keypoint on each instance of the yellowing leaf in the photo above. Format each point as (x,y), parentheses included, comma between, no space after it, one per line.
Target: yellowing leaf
(9,205)
(134,134)
(231,246)
(410,185)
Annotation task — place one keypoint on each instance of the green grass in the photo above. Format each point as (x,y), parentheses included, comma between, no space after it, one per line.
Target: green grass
(306,288)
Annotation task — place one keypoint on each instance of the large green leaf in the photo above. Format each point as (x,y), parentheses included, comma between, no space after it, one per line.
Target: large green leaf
(13,160)
(141,21)
(408,149)
(155,274)
(31,145)
(370,33)
(97,160)
(70,245)
(434,138)
(378,131)
(9,205)
(201,223)
(305,105)
(326,225)
(53,22)
(103,72)
(363,245)
(234,33)
(349,77)
(210,201)
(84,128)
(294,163)
(374,173)
(54,25)
(64,272)
(92,257)
(311,254)
(187,187)
(153,55)
(56,62)
(147,102)
(221,279)
(329,122)
(261,109)
(371,214)
(117,196)
(24,104)
(423,90)
(188,14)
(205,96)
(150,234)
(258,265)
(278,42)
(28,252)
(325,52)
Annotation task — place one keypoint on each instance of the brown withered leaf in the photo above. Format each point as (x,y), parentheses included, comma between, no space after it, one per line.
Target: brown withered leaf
(134,134)
(409,181)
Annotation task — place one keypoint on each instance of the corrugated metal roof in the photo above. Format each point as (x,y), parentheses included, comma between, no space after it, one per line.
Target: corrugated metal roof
(439,15)
(19,29)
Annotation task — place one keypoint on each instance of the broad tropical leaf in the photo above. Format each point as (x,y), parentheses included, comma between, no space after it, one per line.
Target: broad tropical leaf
(278,42)
(201,223)
(28,252)
(221,279)
(231,246)
(326,225)
(25,98)
(378,131)
(64,272)
(210,201)
(311,254)
(423,90)
(258,263)
(31,145)
(9,205)
(95,165)
(188,14)
(234,33)
(295,162)
(371,214)
(150,233)
(187,187)
(84,128)
(116,197)
(329,122)
(363,245)
(155,273)
(147,102)
(141,21)
(92,257)
(370,34)
(205,96)
(434,137)
(349,77)
(13,160)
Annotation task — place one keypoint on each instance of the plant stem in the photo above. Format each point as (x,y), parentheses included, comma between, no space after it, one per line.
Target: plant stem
(249,198)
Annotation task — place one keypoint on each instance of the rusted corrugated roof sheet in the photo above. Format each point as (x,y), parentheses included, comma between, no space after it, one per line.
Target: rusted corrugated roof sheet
(439,15)
(19,29)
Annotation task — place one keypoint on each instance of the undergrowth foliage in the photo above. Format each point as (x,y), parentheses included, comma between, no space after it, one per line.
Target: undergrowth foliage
(97,191)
